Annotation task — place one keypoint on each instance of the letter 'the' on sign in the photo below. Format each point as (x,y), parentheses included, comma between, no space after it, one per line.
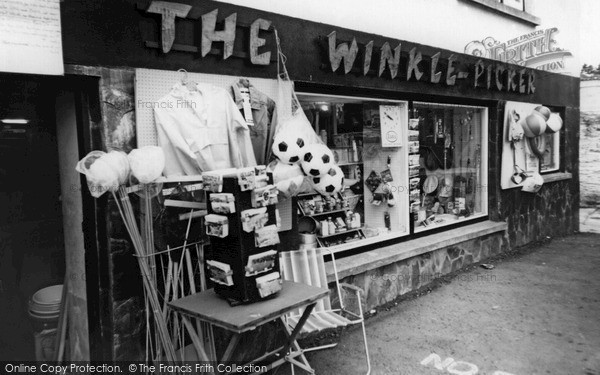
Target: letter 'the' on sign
(256,42)
(209,34)
(337,53)
(168,11)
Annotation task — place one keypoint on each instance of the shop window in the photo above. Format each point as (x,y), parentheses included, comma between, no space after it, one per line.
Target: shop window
(368,139)
(517,9)
(551,153)
(447,164)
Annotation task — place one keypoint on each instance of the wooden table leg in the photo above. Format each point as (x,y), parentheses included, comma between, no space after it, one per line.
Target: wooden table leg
(231,347)
(198,344)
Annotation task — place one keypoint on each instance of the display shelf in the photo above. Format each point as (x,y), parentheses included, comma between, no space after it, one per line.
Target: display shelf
(307,194)
(328,212)
(345,164)
(344,232)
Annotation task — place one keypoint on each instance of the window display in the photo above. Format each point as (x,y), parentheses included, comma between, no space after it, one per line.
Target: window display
(367,139)
(551,154)
(447,172)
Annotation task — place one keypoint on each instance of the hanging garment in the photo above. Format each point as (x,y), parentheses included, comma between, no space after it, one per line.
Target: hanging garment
(263,117)
(201,130)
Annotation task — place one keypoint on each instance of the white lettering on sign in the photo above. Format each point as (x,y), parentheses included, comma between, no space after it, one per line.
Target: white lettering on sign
(453,367)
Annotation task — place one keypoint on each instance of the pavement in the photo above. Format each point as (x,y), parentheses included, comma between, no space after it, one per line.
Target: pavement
(589,220)
(536,311)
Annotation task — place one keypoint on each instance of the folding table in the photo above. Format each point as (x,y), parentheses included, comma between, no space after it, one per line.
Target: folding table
(207,306)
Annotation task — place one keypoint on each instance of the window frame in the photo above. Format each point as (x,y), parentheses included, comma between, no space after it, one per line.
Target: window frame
(364,245)
(484,171)
(509,11)
(392,236)
(522,8)
(556,140)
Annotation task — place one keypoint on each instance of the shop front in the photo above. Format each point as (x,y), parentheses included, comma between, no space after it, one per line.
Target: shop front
(423,141)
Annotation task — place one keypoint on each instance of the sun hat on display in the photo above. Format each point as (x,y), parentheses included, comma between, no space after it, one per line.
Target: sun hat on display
(533,183)
(534,124)
(554,123)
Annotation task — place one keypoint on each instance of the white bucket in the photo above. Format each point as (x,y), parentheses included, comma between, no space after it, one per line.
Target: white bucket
(44,310)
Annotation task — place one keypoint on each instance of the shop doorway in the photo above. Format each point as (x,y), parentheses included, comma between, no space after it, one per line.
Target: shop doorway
(32,229)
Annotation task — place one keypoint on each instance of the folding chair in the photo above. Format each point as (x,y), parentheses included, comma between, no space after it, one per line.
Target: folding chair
(308,266)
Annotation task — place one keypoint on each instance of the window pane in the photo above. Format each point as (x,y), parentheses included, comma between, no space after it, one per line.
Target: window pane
(446,170)
(374,204)
(517,4)
(551,159)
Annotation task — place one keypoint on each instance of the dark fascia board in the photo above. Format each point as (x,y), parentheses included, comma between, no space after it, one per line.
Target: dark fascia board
(509,11)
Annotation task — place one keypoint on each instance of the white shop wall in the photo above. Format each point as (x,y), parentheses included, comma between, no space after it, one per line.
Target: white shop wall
(448,24)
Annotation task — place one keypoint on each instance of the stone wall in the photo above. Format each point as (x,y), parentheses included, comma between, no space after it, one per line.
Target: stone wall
(554,210)
(385,284)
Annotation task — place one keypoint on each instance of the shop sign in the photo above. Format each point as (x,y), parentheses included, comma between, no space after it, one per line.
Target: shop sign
(31,37)
(171,11)
(536,50)
(489,76)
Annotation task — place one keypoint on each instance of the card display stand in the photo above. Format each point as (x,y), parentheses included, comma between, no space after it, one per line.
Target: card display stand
(238,247)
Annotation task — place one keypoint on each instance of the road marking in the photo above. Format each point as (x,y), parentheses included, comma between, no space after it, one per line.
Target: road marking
(453,367)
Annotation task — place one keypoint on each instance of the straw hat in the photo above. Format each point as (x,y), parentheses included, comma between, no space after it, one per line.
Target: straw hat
(534,124)
(555,123)
(430,184)
(533,183)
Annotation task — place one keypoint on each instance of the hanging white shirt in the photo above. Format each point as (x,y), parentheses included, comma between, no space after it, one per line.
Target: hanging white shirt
(201,130)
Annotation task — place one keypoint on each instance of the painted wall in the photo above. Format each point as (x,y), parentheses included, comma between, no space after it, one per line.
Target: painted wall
(448,24)
(590,96)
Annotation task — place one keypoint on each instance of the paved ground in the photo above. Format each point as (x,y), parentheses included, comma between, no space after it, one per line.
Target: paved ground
(589,220)
(535,312)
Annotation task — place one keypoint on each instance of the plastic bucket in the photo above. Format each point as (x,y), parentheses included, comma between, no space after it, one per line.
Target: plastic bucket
(44,310)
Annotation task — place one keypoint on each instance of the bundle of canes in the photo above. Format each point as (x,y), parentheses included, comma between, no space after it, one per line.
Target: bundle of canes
(129,218)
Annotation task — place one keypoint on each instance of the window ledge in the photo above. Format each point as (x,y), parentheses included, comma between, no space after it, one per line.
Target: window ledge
(506,10)
(559,176)
(360,263)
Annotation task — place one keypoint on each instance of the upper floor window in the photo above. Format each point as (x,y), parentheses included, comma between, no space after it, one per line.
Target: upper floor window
(517,4)
(517,9)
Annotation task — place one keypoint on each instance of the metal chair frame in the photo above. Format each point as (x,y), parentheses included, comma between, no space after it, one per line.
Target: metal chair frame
(323,311)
